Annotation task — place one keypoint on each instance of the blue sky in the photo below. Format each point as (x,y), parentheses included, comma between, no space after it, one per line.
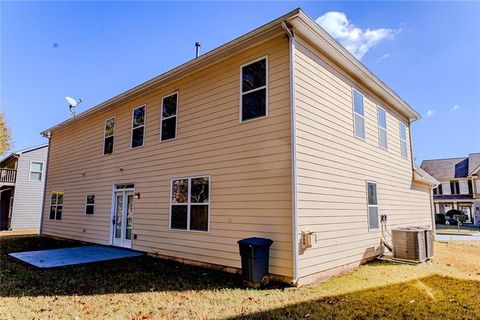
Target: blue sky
(429,53)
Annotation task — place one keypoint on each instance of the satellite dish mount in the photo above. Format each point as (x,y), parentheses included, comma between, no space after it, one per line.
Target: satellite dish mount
(72,104)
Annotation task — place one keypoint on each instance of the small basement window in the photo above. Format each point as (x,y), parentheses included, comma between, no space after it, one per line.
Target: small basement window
(90,204)
(403,140)
(382,128)
(138,127)
(109,136)
(359,115)
(254,81)
(36,171)
(190,204)
(169,117)
(372,205)
(56,205)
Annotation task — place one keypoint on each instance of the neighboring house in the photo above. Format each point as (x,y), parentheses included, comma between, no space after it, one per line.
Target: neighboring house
(271,135)
(22,185)
(460,185)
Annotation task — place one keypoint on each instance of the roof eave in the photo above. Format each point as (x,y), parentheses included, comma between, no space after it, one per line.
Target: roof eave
(335,51)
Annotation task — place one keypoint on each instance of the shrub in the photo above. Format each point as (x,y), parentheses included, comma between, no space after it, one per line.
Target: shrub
(460,218)
(440,218)
(453,212)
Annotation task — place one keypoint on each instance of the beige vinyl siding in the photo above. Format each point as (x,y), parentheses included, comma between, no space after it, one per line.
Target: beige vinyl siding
(28,195)
(248,164)
(333,167)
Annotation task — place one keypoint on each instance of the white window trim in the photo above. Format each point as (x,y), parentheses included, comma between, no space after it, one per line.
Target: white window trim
(89,204)
(382,128)
(162,118)
(253,90)
(362,116)
(144,126)
(41,172)
(372,205)
(113,135)
(477,185)
(401,139)
(465,182)
(56,205)
(188,204)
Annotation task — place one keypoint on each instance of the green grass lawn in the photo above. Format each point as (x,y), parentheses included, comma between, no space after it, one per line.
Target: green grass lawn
(150,288)
(466,230)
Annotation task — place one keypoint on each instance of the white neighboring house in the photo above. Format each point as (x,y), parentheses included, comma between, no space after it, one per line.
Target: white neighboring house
(22,185)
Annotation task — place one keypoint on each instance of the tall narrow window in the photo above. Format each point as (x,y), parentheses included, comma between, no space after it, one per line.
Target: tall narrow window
(372,206)
(109,136)
(169,117)
(138,126)
(189,204)
(382,127)
(403,140)
(254,99)
(56,205)
(446,188)
(359,114)
(36,171)
(90,204)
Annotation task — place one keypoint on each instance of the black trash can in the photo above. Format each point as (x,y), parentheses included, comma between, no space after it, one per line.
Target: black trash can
(255,259)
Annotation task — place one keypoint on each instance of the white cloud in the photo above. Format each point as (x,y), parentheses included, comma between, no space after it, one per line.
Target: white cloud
(385,56)
(430,113)
(455,107)
(356,40)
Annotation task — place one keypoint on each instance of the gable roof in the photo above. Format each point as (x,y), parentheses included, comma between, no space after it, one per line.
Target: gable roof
(18,153)
(300,23)
(452,167)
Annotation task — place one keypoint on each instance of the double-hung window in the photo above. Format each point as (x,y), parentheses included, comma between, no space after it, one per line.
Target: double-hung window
(138,126)
(382,127)
(254,101)
(403,140)
(168,129)
(190,203)
(36,171)
(446,188)
(372,205)
(359,115)
(109,136)
(56,205)
(90,204)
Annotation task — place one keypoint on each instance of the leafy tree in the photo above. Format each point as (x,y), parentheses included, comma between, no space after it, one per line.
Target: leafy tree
(5,139)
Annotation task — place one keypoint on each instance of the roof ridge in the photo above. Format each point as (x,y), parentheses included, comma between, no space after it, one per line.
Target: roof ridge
(445,159)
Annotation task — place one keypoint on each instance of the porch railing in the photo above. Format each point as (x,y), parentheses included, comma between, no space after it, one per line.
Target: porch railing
(8,175)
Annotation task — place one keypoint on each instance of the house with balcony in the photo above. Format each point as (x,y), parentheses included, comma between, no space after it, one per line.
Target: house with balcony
(280,133)
(22,185)
(459,186)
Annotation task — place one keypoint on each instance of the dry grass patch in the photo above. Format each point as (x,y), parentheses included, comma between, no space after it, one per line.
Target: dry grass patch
(149,288)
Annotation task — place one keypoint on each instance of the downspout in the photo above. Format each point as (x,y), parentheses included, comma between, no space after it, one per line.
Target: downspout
(46,135)
(293,135)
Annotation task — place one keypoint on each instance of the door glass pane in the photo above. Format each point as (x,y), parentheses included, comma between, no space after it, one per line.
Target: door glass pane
(118,216)
(128,233)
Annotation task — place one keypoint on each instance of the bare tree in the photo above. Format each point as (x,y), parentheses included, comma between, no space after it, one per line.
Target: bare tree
(5,138)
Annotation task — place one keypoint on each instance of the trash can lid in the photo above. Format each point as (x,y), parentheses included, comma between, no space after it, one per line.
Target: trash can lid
(255,242)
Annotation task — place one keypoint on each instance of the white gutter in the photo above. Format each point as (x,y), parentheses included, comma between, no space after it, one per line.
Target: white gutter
(293,135)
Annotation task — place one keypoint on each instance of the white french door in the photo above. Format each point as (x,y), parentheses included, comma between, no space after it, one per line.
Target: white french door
(122,221)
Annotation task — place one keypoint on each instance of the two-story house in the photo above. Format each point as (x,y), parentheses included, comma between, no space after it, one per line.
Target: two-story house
(22,185)
(460,185)
(278,133)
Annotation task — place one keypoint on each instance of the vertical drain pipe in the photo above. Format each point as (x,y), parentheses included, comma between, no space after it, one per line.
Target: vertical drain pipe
(293,164)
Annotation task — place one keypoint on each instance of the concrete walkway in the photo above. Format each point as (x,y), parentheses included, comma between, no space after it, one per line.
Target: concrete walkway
(448,237)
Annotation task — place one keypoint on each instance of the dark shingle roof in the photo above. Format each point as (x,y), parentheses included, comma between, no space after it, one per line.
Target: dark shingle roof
(453,167)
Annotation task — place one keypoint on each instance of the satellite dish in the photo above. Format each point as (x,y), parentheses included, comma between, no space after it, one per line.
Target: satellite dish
(72,104)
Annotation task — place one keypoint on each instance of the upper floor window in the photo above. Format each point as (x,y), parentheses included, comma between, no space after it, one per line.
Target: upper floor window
(359,115)
(138,126)
(382,127)
(463,187)
(403,140)
(36,171)
(168,129)
(254,99)
(445,188)
(477,182)
(109,136)
(372,205)
(56,205)
(189,204)
(90,204)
